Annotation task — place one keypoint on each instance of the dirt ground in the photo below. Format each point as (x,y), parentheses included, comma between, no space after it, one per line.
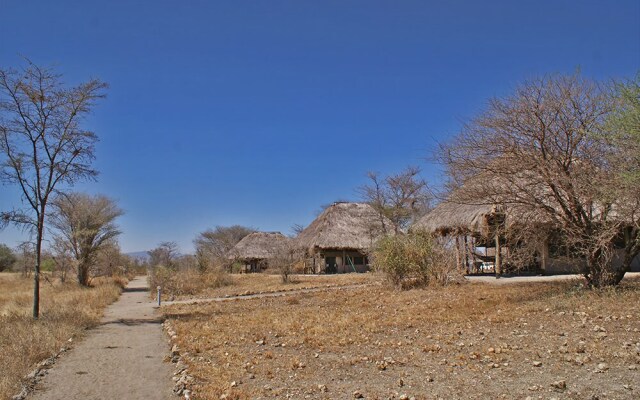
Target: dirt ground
(472,341)
(121,359)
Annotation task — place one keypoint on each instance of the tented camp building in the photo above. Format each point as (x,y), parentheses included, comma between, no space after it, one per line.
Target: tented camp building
(471,226)
(480,236)
(255,250)
(339,239)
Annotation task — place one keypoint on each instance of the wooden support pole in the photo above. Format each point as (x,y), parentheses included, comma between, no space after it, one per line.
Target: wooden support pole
(498,263)
(458,260)
(472,254)
(544,256)
(465,246)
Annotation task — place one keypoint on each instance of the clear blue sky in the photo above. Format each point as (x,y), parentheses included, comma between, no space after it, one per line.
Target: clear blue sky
(258,112)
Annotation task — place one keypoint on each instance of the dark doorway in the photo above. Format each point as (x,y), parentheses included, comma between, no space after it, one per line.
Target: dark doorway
(331,267)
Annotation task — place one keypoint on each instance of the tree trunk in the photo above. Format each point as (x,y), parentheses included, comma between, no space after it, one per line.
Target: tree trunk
(83,273)
(603,274)
(36,270)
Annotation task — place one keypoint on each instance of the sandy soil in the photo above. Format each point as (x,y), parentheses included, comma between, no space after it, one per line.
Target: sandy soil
(549,340)
(121,359)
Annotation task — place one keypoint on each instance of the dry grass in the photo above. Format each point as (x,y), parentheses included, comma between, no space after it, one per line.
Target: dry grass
(187,283)
(470,341)
(191,284)
(66,310)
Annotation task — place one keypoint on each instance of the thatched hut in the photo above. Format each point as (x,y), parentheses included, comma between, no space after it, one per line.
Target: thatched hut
(339,240)
(479,232)
(469,225)
(451,218)
(256,249)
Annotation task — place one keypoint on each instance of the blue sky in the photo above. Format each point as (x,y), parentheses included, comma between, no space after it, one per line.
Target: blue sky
(259,112)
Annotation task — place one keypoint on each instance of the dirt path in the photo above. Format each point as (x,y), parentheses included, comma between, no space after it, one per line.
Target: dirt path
(121,359)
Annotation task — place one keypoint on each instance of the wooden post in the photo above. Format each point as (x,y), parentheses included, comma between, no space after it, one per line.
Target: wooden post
(465,246)
(544,256)
(458,260)
(498,263)
(472,254)
(344,261)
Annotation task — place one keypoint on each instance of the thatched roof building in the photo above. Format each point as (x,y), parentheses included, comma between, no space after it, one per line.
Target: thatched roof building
(257,248)
(341,236)
(349,226)
(452,218)
(259,245)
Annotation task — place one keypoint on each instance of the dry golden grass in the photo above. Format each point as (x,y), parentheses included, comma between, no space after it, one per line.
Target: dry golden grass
(65,311)
(191,284)
(467,341)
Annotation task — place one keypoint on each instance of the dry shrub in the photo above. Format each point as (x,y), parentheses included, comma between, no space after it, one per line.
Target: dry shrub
(415,259)
(187,281)
(66,310)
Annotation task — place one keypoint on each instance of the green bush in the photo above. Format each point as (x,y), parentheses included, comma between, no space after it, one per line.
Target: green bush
(415,259)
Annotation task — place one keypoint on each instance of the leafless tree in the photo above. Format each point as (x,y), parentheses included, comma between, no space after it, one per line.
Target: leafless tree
(541,153)
(26,257)
(213,245)
(42,144)
(164,255)
(86,224)
(296,229)
(401,198)
(285,260)
(62,257)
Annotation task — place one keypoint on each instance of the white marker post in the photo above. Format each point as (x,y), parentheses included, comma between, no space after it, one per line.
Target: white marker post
(159,296)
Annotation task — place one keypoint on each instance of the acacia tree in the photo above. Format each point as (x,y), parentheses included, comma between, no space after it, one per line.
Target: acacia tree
(7,258)
(624,127)
(542,153)
(400,198)
(86,225)
(165,255)
(42,144)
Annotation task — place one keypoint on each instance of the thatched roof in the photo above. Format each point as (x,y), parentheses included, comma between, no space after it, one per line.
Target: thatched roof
(449,217)
(259,245)
(344,226)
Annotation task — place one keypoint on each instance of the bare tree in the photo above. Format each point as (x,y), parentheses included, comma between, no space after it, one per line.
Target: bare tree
(213,245)
(26,257)
(86,225)
(62,257)
(164,255)
(541,154)
(296,229)
(401,198)
(42,143)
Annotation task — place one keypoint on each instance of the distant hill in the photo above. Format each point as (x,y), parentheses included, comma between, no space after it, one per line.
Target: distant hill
(139,255)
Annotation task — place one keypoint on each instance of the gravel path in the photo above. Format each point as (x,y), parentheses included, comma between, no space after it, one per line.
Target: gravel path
(121,359)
